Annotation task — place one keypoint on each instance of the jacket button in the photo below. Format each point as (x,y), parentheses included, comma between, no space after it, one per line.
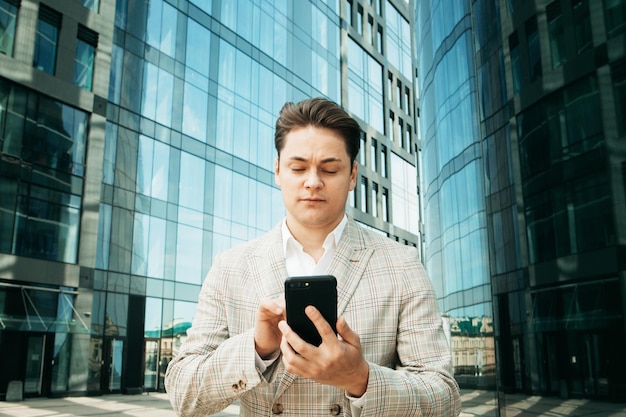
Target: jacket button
(277,409)
(335,409)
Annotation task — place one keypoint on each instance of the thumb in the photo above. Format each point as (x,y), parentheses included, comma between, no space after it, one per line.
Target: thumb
(346,333)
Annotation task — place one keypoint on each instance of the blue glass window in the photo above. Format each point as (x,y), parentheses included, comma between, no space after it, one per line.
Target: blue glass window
(556,30)
(46,40)
(365,86)
(205,5)
(161,27)
(615,17)
(148,246)
(104,237)
(534,49)
(158,94)
(84,58)
(152,168)
(403,197)
(8,16)
(398,41)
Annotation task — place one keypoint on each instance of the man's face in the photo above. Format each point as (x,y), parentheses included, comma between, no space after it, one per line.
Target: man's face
(315,176)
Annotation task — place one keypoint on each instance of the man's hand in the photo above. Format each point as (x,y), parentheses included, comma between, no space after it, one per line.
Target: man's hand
(267,337)
(338,361)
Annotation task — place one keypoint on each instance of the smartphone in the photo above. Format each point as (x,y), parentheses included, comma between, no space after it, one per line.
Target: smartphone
(319,291)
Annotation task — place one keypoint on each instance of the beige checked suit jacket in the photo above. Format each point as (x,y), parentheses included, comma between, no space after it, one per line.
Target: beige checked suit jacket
(385,296)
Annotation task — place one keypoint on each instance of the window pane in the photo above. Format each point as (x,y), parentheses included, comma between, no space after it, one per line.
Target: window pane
(557,34)
(8,13)
(615,17)
(83,64)
(534,52)
(365,86)
(191,190)
(46,40)
(195,112)
(189,254)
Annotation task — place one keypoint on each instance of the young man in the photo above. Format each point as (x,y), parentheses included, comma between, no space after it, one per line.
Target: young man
(390,356)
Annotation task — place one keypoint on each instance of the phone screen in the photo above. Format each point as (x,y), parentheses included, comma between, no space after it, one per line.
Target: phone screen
(319,291)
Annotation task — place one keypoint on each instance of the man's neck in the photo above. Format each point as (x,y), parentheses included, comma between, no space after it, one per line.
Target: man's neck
(311,239)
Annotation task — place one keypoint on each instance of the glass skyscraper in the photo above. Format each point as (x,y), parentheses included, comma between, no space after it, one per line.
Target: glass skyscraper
(136,142)
(523,131)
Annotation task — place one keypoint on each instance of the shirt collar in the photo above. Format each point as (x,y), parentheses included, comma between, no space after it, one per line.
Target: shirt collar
(332,240)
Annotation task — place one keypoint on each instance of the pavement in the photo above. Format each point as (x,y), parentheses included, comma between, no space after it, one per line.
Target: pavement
(475,403)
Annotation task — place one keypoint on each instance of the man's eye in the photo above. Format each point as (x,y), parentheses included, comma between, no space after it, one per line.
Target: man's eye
(297,169)
(329,171)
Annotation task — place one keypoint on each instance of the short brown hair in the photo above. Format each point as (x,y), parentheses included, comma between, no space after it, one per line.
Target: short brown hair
(321,113)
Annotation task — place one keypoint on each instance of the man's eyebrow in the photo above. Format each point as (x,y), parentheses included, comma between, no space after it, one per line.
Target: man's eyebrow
(323,161)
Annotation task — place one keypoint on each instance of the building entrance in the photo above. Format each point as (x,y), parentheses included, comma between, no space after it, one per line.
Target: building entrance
(31,361)
(576,364)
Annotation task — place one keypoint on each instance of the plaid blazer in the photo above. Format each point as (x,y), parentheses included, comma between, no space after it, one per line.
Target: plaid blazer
(384,295)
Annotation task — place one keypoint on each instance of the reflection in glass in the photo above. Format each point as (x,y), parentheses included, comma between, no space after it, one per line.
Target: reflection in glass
(151,365)
(191,188)
(158,92)
(161,27)
(61,363)
(115,364)
(405,201)
(84,64)
(615,17)
(582,25)
(46,40)
(534,50)
(46,225)
(365,86)
(34,364)
(557,34)
(8,16)
(205,5)
(153,159)
(398,41)
(104,236)
(473,350)
(116,317)
(516,63)
(189,254)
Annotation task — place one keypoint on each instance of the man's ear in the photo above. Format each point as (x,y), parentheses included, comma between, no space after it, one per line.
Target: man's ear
(355,168)
(276,171)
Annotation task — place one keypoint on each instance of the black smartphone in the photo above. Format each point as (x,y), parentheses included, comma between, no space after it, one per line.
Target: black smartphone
(319,291)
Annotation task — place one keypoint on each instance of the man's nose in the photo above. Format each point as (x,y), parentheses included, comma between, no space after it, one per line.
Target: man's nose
(313,180)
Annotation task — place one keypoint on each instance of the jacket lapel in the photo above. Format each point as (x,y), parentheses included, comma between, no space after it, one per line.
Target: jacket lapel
(349,262)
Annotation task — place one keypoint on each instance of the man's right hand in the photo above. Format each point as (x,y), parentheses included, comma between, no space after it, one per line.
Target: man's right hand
(267,337)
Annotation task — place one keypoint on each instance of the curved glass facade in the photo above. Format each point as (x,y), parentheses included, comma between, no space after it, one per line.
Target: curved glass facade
(455,214)
(538,186)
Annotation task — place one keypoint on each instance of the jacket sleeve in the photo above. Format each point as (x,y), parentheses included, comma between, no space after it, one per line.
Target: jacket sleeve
(213,367)
(421,383)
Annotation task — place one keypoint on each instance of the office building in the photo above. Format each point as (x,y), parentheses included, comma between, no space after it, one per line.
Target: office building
(136,142)
(523,129)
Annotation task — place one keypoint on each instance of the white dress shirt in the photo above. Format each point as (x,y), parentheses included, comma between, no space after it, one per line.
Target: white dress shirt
(300,263)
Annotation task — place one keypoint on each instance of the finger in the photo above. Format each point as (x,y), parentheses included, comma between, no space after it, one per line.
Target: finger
(292,339)
(323,327)
(346,333)
(272,307)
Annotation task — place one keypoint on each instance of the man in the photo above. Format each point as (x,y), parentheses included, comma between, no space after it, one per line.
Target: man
(390,356)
